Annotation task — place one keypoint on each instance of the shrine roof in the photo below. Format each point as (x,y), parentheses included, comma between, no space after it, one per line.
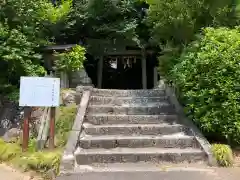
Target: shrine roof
(58,47)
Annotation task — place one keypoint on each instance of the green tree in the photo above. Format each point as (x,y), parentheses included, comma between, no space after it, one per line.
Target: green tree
(178,21)
(103,19)
(26,26)
(18,56)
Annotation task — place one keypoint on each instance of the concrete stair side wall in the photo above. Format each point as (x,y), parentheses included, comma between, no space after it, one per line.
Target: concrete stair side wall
(205,145)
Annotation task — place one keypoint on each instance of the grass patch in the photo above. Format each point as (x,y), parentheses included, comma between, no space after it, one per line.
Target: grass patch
(9,151)
(41,161)
(64,123)
(223,154)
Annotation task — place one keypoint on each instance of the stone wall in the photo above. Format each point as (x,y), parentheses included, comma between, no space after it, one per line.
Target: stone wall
(79,78)
(11,119)
(68,97)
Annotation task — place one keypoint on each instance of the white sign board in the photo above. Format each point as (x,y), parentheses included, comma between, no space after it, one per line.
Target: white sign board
(39,91)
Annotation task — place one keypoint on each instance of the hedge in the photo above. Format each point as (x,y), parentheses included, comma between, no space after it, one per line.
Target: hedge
(207,76)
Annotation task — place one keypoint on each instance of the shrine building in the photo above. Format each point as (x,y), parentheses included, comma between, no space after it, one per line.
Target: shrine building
(109,64)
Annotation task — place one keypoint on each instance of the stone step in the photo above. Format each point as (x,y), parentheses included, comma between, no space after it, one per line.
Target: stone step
(130,129)
(118,155)
(178,140)
(128,93)
(199,166)
(99,100)
(98,119)
(150,109)
(86,172)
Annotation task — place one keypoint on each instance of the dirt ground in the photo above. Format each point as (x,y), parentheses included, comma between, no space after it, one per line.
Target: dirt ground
(237,158)
(9,173)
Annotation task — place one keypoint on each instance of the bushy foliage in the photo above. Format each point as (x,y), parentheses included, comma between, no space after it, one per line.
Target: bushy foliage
(71,60)
(17,55)
(54,14)
(208,76)
(26,26)
(169,58)
(177,21)
(223,154)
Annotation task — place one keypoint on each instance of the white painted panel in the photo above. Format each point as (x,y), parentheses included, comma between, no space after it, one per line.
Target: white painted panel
(39,91)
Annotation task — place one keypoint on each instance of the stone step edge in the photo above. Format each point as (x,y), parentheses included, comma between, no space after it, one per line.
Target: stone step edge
(128,97)
(161,125)
(131,115)
(160,116)
(151,105)
(129,93)
(150,154)
(86,137)
(131,105)
(88,168)
(128,90)
(139,166)
(104,118)
(138,151)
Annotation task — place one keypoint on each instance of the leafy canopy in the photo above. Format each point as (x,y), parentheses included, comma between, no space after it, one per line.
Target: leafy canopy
(25,26)
(102,19)
(178,21)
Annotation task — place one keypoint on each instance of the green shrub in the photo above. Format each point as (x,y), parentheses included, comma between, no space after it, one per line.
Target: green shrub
(40,161)
(32,144)
(8,151)
(64,123)
(9,91)
(168,60)
(208,77)
(223,154)
(71,60)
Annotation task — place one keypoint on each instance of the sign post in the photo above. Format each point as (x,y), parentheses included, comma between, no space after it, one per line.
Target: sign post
(25,138)
(39,92)
(52,128)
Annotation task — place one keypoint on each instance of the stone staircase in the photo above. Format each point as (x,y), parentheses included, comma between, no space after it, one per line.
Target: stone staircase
(127,129)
